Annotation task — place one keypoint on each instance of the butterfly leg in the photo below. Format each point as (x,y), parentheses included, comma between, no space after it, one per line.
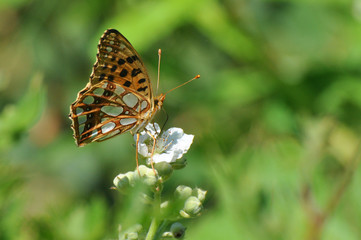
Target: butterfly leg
(153,149)
(136,154)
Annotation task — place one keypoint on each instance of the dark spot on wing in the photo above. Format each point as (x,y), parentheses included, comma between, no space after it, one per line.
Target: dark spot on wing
(102,76)
(107,93)
(142,89)
(142,80)
(113,68)
(136,71)
(127,84)
(85,135)
(130,60)
(123,73)
(121,61)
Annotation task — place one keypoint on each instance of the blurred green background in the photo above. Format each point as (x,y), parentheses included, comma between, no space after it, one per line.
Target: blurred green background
(276,115)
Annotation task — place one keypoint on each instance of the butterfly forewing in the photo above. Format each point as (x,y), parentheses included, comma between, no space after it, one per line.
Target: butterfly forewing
(118,97)
(118,61)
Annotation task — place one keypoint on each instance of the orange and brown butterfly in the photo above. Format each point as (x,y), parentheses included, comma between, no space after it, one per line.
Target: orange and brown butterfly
(118,98)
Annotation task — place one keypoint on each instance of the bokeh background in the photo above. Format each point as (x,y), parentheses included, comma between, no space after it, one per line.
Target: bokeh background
(276,115)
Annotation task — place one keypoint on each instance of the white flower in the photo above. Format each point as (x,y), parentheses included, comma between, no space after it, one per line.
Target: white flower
(170,145)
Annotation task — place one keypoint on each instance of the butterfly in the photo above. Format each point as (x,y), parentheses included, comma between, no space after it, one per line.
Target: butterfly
(118,98)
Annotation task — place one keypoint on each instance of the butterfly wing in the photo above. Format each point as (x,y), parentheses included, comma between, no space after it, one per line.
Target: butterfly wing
(118,61)
(118,96)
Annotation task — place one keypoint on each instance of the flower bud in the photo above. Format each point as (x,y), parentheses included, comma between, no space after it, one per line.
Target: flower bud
(132,233)
(167,235)
(178,230)
(164,170)
(150,180)
(164,204)
(184,214)
(143,170)
(121,182)
(200,194)
(183,192)
(147,175)
(179,163)
(132,177)
(132,236)
(192,207)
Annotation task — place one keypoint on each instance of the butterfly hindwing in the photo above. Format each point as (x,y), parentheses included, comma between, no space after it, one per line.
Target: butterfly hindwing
(106,109)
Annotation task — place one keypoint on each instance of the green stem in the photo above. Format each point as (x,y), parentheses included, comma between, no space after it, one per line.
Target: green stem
(152,229)
(319,218)
(155,221)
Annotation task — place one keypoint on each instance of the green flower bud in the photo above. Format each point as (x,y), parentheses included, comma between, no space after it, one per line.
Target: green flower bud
(147,175)
(193,206)
(164,204)
(164,170)
(132,233)
(132,177)
(184,214)
(121,182)
(150,180)
(183,192)
(167,235)
(132,236)
(143,170)
(200,194)
(178,230)
(179,164)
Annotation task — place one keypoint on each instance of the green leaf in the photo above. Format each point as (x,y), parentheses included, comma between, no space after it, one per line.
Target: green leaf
(16,119)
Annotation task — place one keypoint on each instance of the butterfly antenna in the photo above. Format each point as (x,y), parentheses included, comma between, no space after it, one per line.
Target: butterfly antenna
(196,77)
(166,119)
(159,56)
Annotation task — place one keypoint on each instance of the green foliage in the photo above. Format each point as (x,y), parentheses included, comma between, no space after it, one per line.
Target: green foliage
(17,118)
(276,116)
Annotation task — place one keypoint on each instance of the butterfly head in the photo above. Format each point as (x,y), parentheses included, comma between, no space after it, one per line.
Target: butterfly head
(158,101)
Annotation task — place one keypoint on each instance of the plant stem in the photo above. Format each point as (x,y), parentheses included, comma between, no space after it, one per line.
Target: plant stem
(152,229)
(318,218)
(155,221)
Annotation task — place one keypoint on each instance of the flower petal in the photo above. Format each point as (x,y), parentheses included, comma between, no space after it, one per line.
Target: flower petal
(170,146)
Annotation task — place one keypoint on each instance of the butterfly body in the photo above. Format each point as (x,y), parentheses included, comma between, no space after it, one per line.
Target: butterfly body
(118,98)
(148,116)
